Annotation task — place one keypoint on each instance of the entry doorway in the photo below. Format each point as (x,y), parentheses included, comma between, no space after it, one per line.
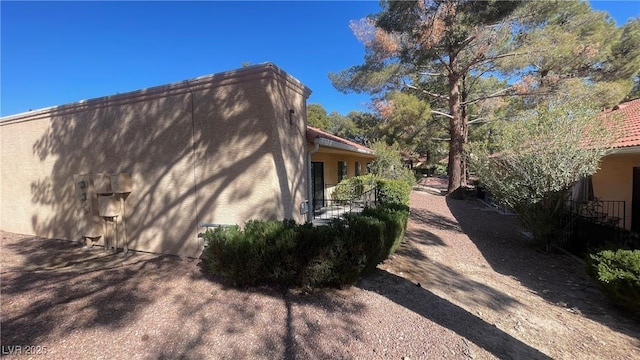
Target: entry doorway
(317,184)
(635,201)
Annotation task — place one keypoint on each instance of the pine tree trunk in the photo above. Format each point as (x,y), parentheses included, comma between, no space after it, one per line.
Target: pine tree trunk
(456,131)
(464,96)
(465,138)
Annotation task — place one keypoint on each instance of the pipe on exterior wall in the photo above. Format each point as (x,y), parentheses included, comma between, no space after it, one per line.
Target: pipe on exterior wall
(316,146)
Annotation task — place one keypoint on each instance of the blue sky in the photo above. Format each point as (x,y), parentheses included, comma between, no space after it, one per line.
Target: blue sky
(53,53)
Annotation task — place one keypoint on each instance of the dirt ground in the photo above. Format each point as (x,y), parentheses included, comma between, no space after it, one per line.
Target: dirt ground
(465,284)
(513,300)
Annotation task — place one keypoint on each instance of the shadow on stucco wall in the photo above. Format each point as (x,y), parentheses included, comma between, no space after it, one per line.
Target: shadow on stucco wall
(221,154)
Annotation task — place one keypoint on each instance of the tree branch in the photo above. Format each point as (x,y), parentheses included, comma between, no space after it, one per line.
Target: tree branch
(481,60)
(494,95)
(432,74)
(441,113)
(444,63)
(501,94)
(474,121)
(433,95)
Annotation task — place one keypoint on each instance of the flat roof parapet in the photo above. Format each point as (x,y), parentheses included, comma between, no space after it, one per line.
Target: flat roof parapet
(248,73)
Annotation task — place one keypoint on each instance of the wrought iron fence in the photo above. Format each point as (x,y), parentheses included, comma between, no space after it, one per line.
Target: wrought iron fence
(596,224)
(605,212)
(335,208)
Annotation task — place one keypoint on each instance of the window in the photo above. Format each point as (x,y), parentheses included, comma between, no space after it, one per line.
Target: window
(342,170)
(358,169)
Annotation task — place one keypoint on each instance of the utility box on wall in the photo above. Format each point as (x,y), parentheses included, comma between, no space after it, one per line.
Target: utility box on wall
(90,224)
(100,201)
(109,206)
(121,183)
(102,183)
(91,227)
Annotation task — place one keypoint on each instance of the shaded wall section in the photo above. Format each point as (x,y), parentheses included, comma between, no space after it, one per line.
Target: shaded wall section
(250,150)
(210,149)
(614,180)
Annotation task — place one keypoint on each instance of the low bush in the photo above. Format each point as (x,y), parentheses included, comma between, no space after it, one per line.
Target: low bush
(394,217)
(233,252)
(393,191)
(285,253)
(353,187)
(618,274)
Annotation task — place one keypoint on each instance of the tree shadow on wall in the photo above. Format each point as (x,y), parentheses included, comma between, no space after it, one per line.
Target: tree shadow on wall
(188,151)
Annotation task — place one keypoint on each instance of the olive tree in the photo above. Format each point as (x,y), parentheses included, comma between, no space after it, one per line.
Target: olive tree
(540,156)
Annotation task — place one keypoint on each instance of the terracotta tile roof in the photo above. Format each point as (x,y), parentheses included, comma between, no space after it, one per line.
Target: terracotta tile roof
(629,113)
(313,133)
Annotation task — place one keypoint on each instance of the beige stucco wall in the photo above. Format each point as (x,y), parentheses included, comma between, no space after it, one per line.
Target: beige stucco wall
(251,157)
(216,149)
(330,158)
(614,180)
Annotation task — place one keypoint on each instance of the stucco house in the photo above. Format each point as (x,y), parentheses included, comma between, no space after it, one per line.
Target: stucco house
(145,169)
(616,185)
(332,159)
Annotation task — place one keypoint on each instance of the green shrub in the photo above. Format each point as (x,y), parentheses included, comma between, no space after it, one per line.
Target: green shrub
(618,274)
(439,169)
(390,191)
(302,255)
(394,217)
(369,233)
(351,188)
(393,191)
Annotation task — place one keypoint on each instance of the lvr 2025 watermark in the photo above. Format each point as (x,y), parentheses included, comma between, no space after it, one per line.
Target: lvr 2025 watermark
(23,350)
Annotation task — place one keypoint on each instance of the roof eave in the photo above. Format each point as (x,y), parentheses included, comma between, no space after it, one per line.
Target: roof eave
(341,146)
(626,150)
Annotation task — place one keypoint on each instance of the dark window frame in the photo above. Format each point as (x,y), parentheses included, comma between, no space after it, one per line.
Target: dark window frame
(342,170)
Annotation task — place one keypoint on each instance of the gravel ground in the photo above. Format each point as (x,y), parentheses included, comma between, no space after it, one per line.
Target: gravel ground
(463,285)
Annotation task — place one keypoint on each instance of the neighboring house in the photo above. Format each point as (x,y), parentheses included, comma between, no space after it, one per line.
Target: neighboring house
(148,167)
(333,159)
(619,176)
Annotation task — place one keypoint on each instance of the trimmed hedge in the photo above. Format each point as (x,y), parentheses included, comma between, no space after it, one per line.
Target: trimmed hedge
(618,274)
(395,218)
(389,191)
(285,253)
(353,187)
(393,191)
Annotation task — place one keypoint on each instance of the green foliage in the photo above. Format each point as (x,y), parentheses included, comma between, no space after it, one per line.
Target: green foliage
(388,191)
(432,49)
(388,163)
(393,191)
(342,126)
(405,120)
(590,59)
(368,125)
(317,116)
(635,91)
(284,253)
(618,274)
(449,52)
(395,218)
(351,188)
(440,169)
(540,156)
(231,250)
